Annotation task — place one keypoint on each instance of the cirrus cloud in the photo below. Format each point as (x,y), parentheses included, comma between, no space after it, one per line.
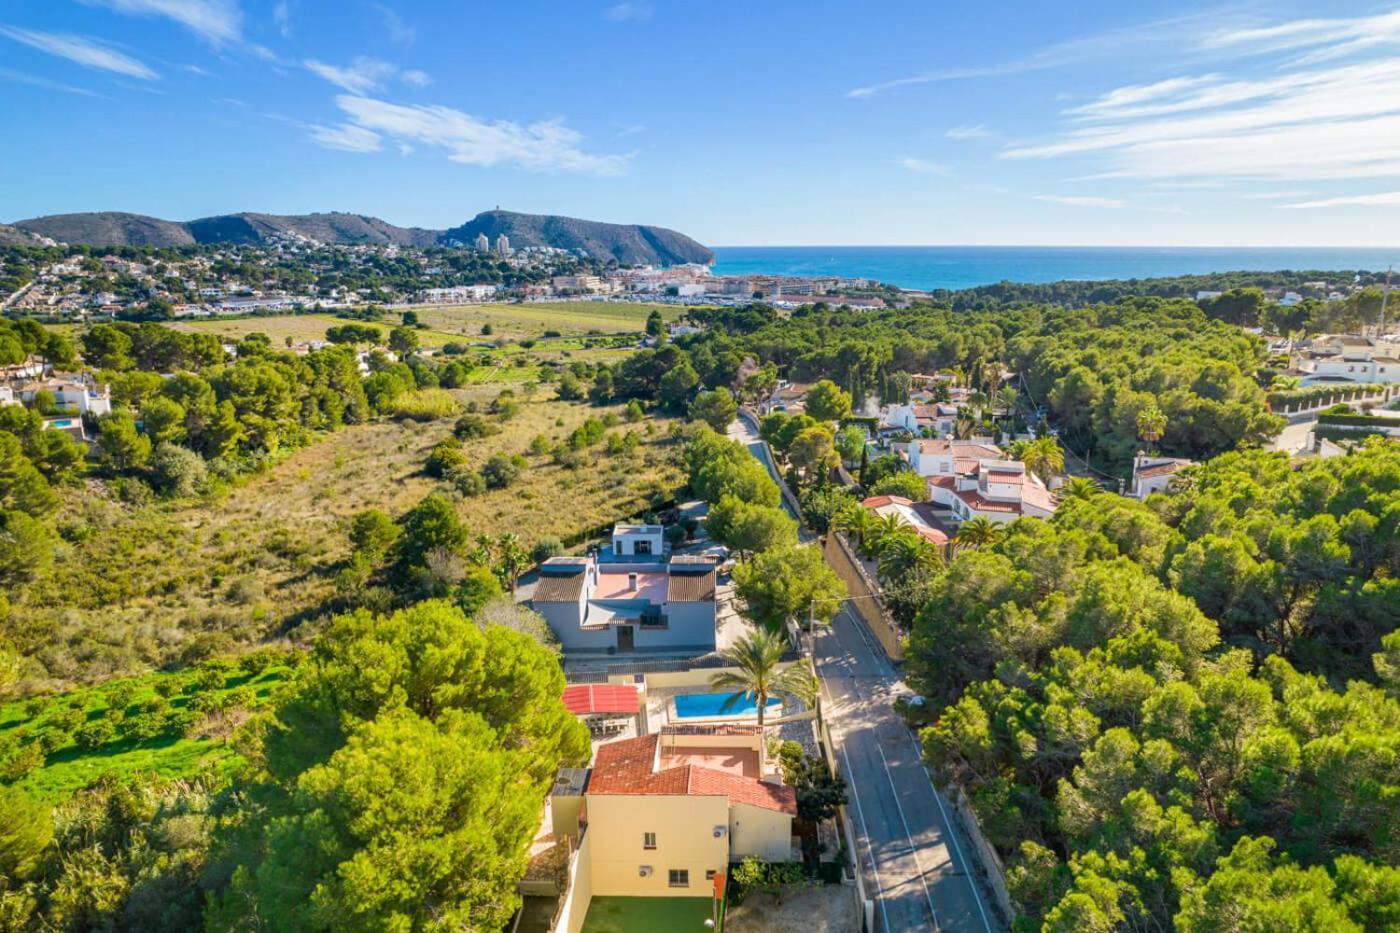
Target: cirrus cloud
(81,50)
(219,22)
(544,146)
(365,74)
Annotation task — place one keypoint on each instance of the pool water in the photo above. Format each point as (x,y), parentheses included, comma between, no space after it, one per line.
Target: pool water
(712,706)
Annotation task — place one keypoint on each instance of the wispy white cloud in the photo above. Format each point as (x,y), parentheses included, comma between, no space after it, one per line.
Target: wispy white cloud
(628,12)
(218,21)
(365,74)
(20,77)
(81,50)
(1327,109)
(968,132)
(1316,39)
(394,25)
(282,18)
(346,137)
(1384,199)
(544,146)
(196,70)
(1340,122)
(923,166)
(1170,33)
(1074,200)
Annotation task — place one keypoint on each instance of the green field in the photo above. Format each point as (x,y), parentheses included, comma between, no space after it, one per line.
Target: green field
(187,743)
(447,323)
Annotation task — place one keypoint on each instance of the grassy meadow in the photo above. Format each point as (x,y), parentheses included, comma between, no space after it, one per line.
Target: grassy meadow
(447,323)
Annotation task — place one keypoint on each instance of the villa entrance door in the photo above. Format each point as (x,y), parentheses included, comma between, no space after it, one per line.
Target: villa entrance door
(624,638)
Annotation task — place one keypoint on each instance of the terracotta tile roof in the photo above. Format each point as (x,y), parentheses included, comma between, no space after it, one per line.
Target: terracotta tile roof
(627,767)
(584,699)
(556,589)
(691,587)
(960,449)
(1162,469)
(875,502)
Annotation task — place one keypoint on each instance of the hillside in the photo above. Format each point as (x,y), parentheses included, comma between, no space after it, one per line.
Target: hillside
(335,227)
(109,228)
(627,243)
(14,236)
(630,244)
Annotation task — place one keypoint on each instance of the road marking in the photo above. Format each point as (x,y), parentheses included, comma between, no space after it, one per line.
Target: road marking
(953,836)
(913,850)
(865,831)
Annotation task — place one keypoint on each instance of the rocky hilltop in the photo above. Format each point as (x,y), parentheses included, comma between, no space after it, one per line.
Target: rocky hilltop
(630,244)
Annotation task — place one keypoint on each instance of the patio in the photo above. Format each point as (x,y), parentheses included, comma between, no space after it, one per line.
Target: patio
(646,914)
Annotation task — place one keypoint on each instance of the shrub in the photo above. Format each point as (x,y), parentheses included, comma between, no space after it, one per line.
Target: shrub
(424,405)
(500,471)
(545,548)
(469,427)
(245,591)
(120,696)
(177,471)
(469,483)
(446,457)
(539,445)
(96,733)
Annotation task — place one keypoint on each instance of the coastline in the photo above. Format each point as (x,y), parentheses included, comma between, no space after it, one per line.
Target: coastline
(957,267)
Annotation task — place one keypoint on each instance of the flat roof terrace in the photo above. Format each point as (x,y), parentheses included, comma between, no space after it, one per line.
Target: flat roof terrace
(649,585)
(730,759)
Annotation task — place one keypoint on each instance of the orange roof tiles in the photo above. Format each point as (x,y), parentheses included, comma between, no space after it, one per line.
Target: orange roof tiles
(628,767)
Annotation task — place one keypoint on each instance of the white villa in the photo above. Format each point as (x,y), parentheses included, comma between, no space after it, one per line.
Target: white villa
(1348,359)
(1154,474)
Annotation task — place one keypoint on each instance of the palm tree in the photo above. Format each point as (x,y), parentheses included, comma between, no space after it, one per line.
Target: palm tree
(862,525)
(907,553)
(1079,487)
(755,661)
(514,556)
(977,532)
(887,529)
(1043,457)
(1151,424)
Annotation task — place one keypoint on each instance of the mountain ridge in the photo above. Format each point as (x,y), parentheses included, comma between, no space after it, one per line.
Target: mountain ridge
(630,244)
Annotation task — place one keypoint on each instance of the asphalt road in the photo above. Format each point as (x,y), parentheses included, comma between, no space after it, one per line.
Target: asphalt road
(911,854)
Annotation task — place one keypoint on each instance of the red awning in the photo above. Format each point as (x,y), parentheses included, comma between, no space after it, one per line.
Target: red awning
(592,699)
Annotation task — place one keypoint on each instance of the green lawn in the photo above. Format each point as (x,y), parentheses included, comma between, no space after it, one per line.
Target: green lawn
(646,914)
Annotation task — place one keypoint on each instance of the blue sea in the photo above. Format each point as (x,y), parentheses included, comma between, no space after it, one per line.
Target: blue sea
(954,267)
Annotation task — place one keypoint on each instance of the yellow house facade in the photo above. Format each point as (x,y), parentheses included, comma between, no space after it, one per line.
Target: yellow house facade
(664,812)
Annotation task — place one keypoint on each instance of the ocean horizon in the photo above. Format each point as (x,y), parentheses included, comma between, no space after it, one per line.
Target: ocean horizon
(957,267)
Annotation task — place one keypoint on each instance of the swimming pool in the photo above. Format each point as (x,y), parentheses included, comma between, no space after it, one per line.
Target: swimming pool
(712,706)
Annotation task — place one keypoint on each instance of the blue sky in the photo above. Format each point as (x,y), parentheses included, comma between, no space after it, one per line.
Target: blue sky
(766,122)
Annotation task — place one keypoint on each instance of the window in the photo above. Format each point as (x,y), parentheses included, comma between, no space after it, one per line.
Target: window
(648,840)
(709,874)
(678,878)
